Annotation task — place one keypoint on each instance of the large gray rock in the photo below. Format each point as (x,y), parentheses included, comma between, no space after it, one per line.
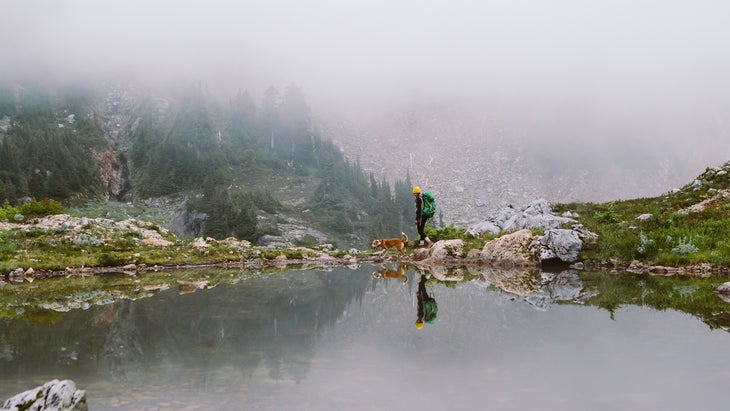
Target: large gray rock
(537,214)
(560,243)
(54,395)
(188,223)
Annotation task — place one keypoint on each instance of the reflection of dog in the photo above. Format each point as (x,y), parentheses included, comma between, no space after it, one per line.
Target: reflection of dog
(398,243)
(386,272)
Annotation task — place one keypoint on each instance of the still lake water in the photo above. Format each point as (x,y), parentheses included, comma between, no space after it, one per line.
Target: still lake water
(342,339)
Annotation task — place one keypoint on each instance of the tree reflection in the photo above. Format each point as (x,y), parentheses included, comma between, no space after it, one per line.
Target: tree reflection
(271,321)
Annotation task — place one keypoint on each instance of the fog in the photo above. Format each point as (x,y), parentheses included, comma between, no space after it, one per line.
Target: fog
(578,75)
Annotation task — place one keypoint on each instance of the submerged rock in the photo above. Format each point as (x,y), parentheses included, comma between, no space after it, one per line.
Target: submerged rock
(54,395)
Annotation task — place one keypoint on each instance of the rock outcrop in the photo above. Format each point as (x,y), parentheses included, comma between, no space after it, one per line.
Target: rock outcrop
(556,244)
(537,214)
(54,395)
(517,249)
(186,223)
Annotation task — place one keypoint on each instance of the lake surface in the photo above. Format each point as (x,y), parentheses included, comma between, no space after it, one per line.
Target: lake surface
(342,339)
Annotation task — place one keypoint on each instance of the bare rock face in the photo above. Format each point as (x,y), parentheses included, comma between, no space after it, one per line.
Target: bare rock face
(537,214)
(187,223)
(54,395)
(517,249)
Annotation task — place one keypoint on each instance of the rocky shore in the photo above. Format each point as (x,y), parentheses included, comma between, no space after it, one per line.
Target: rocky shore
(54,395)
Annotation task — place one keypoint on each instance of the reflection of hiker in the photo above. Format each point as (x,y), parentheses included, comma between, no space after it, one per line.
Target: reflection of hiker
(421,218)
(427,307)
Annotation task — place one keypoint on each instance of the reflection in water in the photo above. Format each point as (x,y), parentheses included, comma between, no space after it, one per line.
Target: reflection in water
(387,272)
(427,307)
(315,340)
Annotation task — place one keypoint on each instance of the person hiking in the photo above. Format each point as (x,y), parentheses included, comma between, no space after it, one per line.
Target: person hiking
(427,308)
(421,218)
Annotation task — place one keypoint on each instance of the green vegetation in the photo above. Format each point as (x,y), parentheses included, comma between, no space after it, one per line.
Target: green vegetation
(691,295)
(452,232)
(32,208)
(688,226)
(56,144)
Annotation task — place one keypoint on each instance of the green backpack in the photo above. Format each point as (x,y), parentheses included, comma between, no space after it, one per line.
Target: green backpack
(429,204)
(431,309)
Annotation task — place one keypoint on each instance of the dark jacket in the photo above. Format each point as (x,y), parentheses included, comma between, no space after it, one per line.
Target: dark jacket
(419,207)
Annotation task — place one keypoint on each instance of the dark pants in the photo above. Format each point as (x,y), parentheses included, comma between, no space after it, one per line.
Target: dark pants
(421,225)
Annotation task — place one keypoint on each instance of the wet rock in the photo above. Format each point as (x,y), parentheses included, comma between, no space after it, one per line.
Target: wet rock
(522,282)
(16,276)
(662,270)
(724,288)
(444,273)
(54,395)
(29,275)
(420,254)
(637,267)
(187,287)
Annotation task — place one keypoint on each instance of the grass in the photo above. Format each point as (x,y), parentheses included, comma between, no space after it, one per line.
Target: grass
(100,208)
(452,232)
(670,236)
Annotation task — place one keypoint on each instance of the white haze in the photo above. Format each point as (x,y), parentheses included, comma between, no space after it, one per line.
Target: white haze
(634,79)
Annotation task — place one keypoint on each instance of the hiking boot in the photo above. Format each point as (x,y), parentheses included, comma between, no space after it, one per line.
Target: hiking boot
(420,244)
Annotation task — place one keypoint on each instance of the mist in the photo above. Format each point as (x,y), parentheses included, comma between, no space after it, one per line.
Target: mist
(632,80)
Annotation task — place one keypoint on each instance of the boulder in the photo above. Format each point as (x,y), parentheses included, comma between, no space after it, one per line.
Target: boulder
(517,249)
(561,244)
(444,249)
(54,395)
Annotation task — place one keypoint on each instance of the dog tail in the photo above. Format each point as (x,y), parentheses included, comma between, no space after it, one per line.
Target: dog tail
(405,237)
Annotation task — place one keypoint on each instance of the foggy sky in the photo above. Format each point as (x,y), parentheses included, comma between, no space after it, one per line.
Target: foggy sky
(613,60)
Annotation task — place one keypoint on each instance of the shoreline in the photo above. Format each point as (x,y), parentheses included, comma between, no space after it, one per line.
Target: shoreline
(324,261)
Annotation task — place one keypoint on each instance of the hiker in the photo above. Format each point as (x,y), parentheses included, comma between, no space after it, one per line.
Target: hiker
(427,307)
(421,217)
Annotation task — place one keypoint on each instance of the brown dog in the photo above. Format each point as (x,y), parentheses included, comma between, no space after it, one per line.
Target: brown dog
(386,272)
(398,243)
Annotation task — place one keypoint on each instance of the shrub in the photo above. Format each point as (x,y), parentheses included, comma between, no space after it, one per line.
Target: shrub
(41,208)
(608,216)
(685,246)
